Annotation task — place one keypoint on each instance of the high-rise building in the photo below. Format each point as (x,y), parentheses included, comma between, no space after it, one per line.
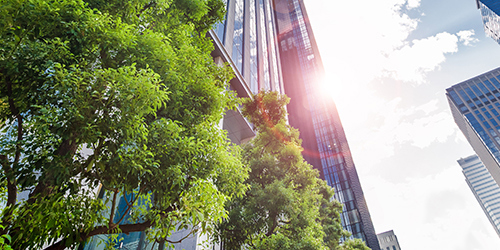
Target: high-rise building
(485,189)
(323,139)
(490,11)
(475,105)
(246,41)
(388,241)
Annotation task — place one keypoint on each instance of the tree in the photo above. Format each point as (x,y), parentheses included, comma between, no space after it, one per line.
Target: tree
(121,95)
(287,206)
(353,244)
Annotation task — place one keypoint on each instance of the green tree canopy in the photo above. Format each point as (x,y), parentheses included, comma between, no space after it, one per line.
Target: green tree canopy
(116,94)
(287,205)
(353,244)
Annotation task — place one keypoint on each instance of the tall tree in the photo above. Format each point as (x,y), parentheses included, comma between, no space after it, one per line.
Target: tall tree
(287,205)
(116,94)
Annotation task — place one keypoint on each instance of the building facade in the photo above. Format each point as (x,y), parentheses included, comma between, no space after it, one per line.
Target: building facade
(323,138)
(388,241)
(490,11)
(484,188)
(475,105)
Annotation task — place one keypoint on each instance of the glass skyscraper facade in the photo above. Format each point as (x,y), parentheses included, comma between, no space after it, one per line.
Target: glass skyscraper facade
(485,189)
(246,39)
(475,105)
(323,138)
(490,11)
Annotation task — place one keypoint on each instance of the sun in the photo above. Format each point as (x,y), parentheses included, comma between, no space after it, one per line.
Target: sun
(331,87)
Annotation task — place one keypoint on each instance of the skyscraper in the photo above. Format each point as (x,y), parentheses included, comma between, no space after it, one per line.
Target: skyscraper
(323,139)
(490,11)
(475,105)
(388,241)
(485,189)
(246,40)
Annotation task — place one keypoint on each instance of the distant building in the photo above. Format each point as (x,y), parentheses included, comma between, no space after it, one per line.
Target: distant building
(388,241)
(475,105)
(490,11)
(323,138)
(485,189)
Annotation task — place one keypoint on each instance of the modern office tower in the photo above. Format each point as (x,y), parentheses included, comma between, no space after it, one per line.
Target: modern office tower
(485,189)
(388,241)
(323,139)
(490,11)
(246,41)
(475,105)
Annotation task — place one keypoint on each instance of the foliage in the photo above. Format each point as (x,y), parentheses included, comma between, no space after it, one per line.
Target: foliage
(4,241)
(121,95)
(287,205)
(353,244)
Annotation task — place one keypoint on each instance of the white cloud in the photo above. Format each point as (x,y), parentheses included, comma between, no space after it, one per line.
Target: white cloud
(411,62)
(466,37)
(433,212)
(425,130)
(376,33)
(413,4)
(378,134)
(367,32)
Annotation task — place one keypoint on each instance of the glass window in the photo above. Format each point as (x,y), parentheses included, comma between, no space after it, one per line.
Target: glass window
(482,87)
(237,54)
(263,45)
(495,112)
(463,95)
(488,84)
(455,97)
(476,90)
(272,45)
(470,93)
(254,81)
(353,216)
(495,82)
(220,28)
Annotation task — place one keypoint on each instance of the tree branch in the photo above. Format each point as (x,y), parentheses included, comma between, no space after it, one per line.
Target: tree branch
(183,238)
(113,205)
(128,228)
(11,183)
(4,162)
(129,206)
(275,224)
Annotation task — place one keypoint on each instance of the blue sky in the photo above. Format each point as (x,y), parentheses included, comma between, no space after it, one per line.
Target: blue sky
(388,63)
